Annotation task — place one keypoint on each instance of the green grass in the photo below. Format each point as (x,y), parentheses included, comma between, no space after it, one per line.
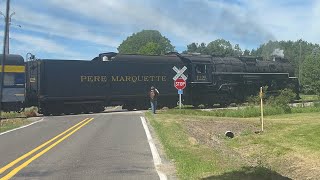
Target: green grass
(289,140)
(8,124)
(306,136)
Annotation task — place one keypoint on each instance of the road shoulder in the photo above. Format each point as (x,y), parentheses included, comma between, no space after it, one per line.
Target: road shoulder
(167,166)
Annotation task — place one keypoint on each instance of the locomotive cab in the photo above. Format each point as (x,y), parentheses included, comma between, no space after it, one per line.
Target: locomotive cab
(201,69)
(202,73)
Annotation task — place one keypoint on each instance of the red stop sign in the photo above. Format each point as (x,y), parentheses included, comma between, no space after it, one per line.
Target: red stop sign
(180,83)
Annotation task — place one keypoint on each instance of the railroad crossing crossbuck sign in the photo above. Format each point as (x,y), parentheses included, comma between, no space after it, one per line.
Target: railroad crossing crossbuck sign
(180,73)
(180,81)
(179,78)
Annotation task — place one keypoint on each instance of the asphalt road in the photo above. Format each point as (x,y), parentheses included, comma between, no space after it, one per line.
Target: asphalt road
(103,146)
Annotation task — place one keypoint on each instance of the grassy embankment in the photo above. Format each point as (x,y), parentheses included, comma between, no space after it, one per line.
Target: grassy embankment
(194,140)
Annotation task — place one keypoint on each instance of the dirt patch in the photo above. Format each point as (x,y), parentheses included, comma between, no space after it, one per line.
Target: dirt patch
(209,132)
(212,133)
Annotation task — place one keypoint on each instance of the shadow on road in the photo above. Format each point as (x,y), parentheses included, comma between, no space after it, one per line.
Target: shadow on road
(249,173)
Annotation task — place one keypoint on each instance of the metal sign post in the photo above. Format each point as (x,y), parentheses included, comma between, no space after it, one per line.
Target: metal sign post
(180,82)
(180,101)
(180,91)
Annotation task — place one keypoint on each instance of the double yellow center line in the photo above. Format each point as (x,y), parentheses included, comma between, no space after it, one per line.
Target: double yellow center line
(73,129)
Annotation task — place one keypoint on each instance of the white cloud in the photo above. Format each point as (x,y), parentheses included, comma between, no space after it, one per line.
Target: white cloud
(42,44)
(23,43)
(287,20)
(247,22)
(135,15)
(59,26)
(207,21)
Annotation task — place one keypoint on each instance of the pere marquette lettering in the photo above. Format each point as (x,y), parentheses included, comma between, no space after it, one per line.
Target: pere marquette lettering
(133,79)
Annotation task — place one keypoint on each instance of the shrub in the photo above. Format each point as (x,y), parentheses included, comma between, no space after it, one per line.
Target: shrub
(253,100)
(282,100)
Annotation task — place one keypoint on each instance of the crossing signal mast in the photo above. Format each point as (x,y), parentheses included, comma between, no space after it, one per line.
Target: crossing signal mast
(10,24)
(6,38)
(180,81)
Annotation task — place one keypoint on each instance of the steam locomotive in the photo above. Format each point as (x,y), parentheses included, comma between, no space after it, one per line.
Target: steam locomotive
(79,86)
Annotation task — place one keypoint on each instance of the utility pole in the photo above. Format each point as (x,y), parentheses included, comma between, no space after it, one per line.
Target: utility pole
(299,64)
(4,55)
(7,42)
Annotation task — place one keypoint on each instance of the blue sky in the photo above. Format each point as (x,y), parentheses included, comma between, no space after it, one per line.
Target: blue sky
(81,29)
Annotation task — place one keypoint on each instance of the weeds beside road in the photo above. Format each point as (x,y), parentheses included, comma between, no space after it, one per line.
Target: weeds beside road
(11,120)
(8,124)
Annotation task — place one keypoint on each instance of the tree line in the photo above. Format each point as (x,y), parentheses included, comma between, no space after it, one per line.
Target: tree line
(304,56)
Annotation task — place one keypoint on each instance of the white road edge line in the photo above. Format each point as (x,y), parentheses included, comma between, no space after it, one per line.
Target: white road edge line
(154,151)
(21,127)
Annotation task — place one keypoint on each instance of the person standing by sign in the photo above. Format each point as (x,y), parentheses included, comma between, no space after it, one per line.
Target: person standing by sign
(153,94)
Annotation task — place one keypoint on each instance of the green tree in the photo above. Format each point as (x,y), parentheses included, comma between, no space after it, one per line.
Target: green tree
(195,48)
(310,74)
(150,48)
(146,42)
(246,52)
(220,47)
(202,48)
(192,48)
(254,52)
(237,50)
